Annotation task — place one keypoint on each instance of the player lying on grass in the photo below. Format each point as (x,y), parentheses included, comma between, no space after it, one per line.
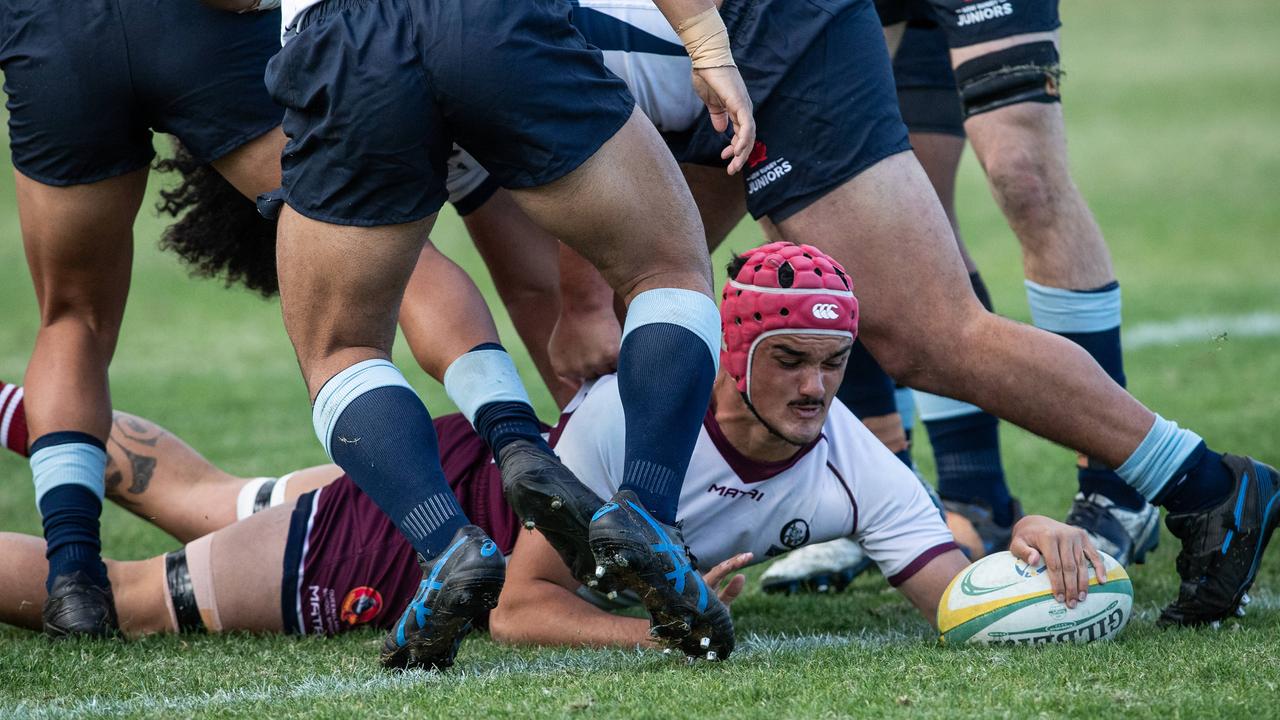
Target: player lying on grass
(777,464)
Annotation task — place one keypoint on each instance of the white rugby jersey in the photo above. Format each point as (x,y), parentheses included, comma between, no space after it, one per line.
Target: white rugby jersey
(845,484)
(653,63)
(290,9)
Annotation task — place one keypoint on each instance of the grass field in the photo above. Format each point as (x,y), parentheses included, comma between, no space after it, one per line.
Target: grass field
(1172,110)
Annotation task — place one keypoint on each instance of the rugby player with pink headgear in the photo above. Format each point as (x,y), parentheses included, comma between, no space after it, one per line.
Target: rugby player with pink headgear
(779,463)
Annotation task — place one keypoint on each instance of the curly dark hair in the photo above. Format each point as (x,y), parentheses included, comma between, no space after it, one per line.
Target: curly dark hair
(218,231)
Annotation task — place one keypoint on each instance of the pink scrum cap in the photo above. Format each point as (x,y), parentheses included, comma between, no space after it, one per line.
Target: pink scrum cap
(783,288)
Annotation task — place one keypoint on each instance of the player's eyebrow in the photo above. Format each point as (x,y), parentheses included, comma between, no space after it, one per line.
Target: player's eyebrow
(800,354)
(842,351)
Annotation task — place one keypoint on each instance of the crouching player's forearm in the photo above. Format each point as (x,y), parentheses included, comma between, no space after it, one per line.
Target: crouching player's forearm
(540,605)
(540,612)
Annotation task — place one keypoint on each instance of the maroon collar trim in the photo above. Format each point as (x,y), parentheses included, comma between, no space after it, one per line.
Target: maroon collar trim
(748,470)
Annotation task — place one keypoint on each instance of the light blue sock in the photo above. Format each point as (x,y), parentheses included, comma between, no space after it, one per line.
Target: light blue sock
(1158,457)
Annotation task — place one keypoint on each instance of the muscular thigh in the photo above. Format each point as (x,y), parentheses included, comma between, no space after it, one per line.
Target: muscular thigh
(79,241)
(888,229)
(246,567)
(628,211)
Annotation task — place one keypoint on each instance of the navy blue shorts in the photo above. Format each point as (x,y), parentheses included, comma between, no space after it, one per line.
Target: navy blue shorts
(969,22)
(927,94)
(88,80)
(377,91)
(825,110)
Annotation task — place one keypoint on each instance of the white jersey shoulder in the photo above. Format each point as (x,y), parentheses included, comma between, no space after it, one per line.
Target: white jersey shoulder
(290,10)
(844,485)
(643,50)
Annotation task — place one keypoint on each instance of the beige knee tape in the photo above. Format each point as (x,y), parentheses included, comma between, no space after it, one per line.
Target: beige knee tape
(706,40)
(199,564)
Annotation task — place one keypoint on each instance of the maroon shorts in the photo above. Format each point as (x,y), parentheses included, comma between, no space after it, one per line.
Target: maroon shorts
(346,564)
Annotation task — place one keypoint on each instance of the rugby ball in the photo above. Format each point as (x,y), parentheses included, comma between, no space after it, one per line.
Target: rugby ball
(1000,600)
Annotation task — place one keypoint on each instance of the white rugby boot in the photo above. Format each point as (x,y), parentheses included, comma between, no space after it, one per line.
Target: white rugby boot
(824,567)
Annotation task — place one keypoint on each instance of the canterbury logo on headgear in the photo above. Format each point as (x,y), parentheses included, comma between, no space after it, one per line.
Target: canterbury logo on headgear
(826,311)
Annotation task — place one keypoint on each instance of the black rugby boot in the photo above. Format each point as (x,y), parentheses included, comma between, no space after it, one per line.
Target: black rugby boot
(77,606)
(457,585)
(1223,545)
(1126,535)
(637,552)
(546,495)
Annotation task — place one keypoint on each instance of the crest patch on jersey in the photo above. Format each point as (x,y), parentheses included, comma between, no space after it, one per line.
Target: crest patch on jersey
(794,534)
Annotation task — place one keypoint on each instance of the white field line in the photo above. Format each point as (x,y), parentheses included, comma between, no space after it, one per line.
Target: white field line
(315,688)
(323,687)
(1201,328)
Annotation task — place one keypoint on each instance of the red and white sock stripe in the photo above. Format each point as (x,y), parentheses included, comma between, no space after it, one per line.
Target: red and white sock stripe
(13,419)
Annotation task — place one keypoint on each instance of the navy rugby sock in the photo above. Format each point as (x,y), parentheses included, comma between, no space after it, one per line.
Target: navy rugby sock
(484,384)
(68,471)
(906,403)
(866,389)
(376,428)
(1172,467)
(1090,319)
(966,448)
(869,392)
(666,366)
(1201,482)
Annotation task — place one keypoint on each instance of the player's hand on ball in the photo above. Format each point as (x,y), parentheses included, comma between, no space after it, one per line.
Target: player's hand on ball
(733,588)
(1065,550)
(725,95)
(585,346)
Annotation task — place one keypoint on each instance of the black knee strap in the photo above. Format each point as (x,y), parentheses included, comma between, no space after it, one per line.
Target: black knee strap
(980,289)
(1022,73)
(262,500)
(178,578)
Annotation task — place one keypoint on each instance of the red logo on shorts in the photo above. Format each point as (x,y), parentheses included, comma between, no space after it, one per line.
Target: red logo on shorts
(759,154)
(361,605)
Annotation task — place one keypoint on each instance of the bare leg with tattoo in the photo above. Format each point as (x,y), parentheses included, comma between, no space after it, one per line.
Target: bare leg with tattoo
(155,475)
